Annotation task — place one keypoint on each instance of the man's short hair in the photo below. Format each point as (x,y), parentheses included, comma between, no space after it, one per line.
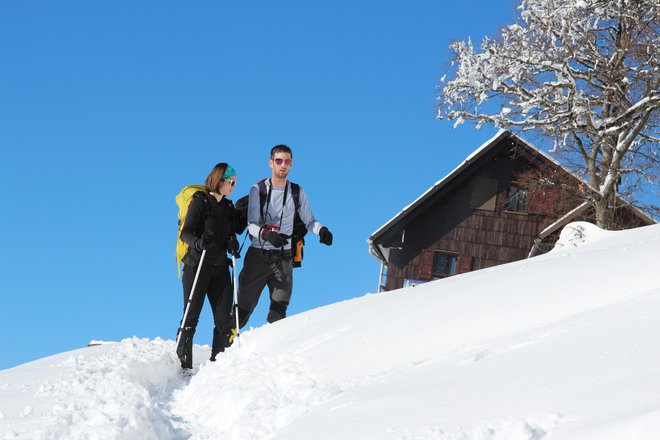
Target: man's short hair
(281,148)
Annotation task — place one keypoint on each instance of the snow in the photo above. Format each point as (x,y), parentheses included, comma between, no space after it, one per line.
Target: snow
(560,346)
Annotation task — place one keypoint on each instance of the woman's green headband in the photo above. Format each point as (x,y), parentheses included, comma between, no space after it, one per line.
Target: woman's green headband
(229,172)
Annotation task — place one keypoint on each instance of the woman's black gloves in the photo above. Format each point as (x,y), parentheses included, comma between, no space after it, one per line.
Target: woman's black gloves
(233,247)
(203,243)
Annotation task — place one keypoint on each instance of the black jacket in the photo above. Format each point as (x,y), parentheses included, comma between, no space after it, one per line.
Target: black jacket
(207,215)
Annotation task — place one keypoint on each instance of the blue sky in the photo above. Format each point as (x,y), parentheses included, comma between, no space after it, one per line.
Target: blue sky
(107,109)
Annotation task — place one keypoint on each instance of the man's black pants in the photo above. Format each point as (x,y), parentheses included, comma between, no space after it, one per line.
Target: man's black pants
(272,268)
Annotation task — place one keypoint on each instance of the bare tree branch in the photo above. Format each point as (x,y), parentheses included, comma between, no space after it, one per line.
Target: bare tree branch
(582,73)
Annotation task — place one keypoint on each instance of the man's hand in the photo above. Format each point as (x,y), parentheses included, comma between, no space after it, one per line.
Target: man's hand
(275,238)
(325,236)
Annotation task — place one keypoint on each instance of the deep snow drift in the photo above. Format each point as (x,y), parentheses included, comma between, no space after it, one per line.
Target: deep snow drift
(561,346)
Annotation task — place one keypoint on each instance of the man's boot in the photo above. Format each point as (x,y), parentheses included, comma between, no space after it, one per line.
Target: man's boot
(277,311)
(220,342)
(185,348)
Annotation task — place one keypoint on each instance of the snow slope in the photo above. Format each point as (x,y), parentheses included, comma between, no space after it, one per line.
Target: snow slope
(561,346)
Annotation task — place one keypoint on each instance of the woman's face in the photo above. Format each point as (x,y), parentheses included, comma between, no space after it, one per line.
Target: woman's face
(227,186)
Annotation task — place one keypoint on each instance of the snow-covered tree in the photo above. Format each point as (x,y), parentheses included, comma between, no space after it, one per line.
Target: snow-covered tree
(583,73)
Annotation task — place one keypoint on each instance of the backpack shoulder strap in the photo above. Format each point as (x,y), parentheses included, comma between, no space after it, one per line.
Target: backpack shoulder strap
(232,215)
(263,195)
(295,192)
(205,201)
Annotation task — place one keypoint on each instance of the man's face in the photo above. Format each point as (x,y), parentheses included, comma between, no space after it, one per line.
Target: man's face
(281,165)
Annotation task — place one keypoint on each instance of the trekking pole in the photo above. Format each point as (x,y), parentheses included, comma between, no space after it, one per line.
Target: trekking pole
(233,261)
(192,292)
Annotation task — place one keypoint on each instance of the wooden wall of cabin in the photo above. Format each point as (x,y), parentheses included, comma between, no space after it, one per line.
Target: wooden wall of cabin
(479,237)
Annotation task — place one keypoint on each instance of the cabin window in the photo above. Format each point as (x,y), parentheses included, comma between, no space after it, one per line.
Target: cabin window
(484,193)
(444,264)
(517,201)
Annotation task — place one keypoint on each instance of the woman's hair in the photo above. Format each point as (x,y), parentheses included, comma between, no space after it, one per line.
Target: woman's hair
(214,179)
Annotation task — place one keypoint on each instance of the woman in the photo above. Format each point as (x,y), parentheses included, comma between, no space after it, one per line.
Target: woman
(209,226)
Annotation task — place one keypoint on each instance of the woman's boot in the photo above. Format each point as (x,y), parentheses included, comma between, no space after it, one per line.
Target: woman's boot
(185,348)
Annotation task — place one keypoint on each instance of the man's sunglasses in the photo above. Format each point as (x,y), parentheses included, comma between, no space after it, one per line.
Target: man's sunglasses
(231,182)
(279,161)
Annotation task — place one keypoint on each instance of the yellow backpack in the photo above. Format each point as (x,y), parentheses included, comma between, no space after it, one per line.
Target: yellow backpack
(183,199)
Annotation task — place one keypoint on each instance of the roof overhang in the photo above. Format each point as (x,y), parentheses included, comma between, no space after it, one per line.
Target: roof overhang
(382,252)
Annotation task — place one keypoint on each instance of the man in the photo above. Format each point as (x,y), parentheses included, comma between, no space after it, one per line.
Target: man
(269,259)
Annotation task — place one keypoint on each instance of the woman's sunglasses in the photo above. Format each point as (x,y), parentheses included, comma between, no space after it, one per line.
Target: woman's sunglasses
(231,182)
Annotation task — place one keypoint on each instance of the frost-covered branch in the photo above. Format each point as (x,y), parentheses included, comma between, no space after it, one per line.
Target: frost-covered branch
(583,73)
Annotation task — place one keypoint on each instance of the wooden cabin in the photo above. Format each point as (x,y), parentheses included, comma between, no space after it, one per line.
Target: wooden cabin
(480,215)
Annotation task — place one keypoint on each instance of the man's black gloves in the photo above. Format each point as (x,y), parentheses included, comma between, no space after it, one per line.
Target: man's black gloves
(233,247)
(325,236)
(203,243)
(275,238)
